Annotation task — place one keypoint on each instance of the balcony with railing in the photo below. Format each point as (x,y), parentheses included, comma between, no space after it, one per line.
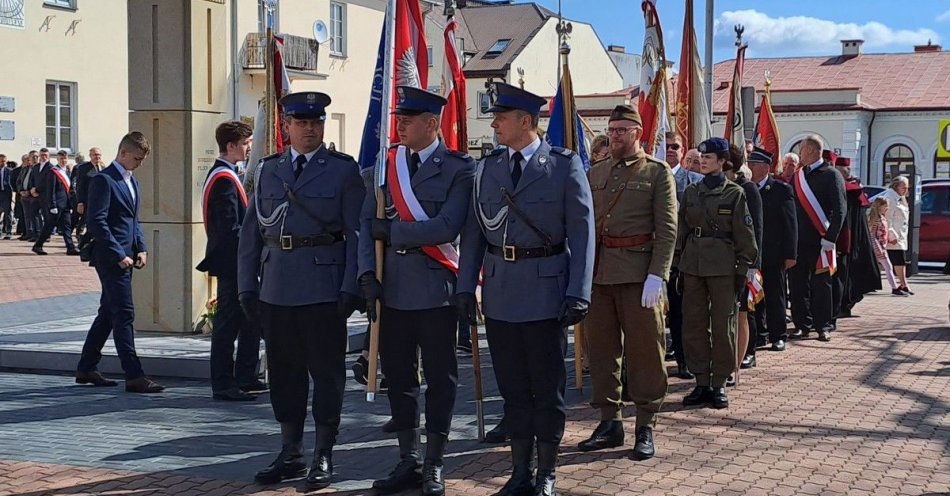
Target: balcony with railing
(300,54)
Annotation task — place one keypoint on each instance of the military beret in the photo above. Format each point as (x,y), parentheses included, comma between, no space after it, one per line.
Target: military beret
(306,105)
(760,155)
(508,97)
(714,145)
(829,156)
(843,162)
(414,101)
(625,113)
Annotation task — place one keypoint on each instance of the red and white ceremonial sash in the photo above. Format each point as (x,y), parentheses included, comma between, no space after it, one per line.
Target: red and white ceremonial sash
(827,261)
(221,172)
(409,209)
(60,175)
(756,290)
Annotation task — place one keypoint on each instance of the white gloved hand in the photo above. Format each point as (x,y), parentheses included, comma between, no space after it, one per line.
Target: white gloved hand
(750,274)
(827,245)
(54,211)
(653,289)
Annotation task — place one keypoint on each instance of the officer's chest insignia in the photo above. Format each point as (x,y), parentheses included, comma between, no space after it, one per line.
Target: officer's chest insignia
(321,161)
(748,220)
(437,160)
(542,159)
(641,185)
(724,210)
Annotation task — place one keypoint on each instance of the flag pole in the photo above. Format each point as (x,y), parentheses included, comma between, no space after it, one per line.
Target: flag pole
(390,26)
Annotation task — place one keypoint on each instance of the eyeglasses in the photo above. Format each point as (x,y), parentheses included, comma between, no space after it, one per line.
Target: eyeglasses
(619,131)
(672,146)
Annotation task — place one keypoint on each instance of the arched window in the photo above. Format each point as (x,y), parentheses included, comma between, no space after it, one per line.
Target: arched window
(796,148)
(898,159)
(941,167)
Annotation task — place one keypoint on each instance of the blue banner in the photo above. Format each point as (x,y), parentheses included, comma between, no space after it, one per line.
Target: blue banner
(369,147)
(556,128)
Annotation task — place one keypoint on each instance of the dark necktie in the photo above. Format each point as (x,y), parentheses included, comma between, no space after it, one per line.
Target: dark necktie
(516,160)
(299,162)
(414,161)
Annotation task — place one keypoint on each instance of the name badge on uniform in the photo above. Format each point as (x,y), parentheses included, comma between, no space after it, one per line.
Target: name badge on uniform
(641,185)
(725,209)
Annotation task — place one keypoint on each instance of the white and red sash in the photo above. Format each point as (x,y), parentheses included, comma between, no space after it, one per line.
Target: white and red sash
(61,176)
(756,290)
(409,209)
(827,262)
(220,172)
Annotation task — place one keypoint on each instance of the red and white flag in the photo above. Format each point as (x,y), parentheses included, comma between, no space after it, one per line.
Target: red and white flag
(454,121)
(692,113)
(766,130)
(734,133)
(652,100)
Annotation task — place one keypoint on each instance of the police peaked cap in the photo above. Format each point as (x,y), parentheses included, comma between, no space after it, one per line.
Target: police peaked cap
(508,97)
(306,105)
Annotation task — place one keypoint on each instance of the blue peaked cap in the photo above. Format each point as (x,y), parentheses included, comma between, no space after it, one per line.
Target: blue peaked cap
(508,97)
(760,155)
(413,101)
(714,145)
(306,105)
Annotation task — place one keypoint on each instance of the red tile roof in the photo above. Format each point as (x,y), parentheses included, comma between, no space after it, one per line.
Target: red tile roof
(886,81)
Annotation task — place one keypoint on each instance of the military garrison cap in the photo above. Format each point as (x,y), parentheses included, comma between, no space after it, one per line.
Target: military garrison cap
(414,101)
(508,97)
(714,145)
(760,155)
(843,162)
(306,105)
(625,113)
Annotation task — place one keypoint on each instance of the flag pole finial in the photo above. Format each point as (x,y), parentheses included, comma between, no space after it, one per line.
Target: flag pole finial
(739,29)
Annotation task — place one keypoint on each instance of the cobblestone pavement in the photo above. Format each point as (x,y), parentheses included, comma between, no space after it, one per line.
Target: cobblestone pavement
(25,275)
(867,413)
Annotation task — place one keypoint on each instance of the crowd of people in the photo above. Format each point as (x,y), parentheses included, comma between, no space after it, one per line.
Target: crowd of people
(714,243)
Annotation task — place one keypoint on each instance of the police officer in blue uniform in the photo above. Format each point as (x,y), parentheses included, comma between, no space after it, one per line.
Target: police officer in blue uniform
(530,234)
(418,286)
(297,275)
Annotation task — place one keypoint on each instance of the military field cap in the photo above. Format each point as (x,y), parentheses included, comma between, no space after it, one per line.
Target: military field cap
(414,101)
(625,113)
(306,105)
(843,162)
(714,145)
(508,97)
(760,156)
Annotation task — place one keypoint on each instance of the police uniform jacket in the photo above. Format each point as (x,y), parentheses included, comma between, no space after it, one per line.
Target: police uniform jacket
(413,280)
(554,193)
(225,216)
(642,191)
(828,186)
(779,224)
(715,233)
(331,189)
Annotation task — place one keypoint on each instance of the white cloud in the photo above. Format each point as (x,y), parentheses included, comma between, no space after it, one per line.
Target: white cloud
(803,35)
(945,17)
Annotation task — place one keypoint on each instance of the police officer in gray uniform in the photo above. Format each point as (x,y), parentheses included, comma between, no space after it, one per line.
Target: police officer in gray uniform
(418,283)
(531,235)
(297,275)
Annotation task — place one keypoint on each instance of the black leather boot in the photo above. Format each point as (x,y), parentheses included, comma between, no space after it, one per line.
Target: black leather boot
(321,470)
(608,434)
(700,395)
(498,434)
(521,482)
(547,462)
(682,371)
(408,472)
(719,398)
(433,484)
(289,463)
(643,449)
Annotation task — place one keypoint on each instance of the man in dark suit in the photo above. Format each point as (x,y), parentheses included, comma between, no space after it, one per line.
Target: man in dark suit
(6,197)
(779,250)
(55,197)
(119,247)
(810,278)
(83,173)
(223,204)
(30,203)
(38,186)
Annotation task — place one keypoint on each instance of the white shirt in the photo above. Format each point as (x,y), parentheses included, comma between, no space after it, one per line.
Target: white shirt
(763,181)
(426,152)
(815,165)
(294,154)
(126,178)
(676,169)
(526,152)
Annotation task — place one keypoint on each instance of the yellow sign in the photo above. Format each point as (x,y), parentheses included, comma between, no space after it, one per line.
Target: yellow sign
(943,139)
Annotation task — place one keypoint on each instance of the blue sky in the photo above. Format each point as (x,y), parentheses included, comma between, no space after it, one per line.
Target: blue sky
(773,27)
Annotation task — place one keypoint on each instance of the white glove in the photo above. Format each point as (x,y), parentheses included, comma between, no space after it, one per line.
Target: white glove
(653,289)
(750,274)
(827,245)
(54,211)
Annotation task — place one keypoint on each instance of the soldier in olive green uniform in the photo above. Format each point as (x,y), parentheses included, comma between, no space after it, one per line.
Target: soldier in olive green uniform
(635,212)
(715,249)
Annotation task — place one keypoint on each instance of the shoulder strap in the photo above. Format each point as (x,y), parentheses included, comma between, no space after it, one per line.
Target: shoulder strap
(543,236)
(613,201)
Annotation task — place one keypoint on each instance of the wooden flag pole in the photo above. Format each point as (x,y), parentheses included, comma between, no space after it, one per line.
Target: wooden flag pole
(477,371)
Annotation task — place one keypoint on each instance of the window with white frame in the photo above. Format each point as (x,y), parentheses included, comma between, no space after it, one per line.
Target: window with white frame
(337,29)
(262,15)
(484,103)
(60,115)
(66,4)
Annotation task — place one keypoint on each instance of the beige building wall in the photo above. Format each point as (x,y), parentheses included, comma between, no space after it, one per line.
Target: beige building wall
(85,48)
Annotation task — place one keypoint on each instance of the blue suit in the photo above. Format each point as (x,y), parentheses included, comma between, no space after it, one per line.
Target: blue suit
(522,298)
(56,197)
(113,222)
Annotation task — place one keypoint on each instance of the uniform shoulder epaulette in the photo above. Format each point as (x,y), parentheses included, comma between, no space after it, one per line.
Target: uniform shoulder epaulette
(455,153)
(340,155)
(651,158)
(272,155)
(496,151)
(562,151)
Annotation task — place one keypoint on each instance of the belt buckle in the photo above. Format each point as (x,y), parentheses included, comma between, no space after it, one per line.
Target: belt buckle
(401,252)
(286,242)
(698,231)
(509,253)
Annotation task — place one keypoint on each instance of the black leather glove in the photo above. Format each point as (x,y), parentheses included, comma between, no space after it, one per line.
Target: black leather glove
(372,292)
(348,303)
(680,283)
(250,303)
(573,310)
(466,306)
(382,229)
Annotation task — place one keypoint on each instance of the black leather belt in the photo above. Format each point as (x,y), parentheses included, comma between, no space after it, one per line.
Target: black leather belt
(699,232)
(290,242)
(409,251)
(512,253)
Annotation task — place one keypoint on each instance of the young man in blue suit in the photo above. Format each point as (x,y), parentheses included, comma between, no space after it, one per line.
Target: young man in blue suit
(119,247)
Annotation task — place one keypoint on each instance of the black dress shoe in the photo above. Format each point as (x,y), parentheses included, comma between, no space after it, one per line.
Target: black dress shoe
(321,471)
(761,342)
(796,334)
(433,483)
(643,449)
(778,345)
(824,336)
(731,381)
(682,371)
(748,362)
(390,426)
(38,250)
(74,252)
(359,368)
(670,356)
(719,398)
(498,434)
(907,290)
(699,396)
(94,378)
(255,387)
(406,475)
(233,394)
(607,434)
(286,466)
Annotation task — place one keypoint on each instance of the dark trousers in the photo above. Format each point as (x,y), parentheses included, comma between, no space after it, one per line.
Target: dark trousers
(116,315)
(31,216)
(6,212)
(838,285)
(62,221)
(675,315)
(432,331)
(230,324)
(18,214)
(528,358)
(811,297)
(770,312)
(303,343)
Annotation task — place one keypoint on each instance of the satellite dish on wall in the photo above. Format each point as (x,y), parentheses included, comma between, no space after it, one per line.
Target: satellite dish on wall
(320,31)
